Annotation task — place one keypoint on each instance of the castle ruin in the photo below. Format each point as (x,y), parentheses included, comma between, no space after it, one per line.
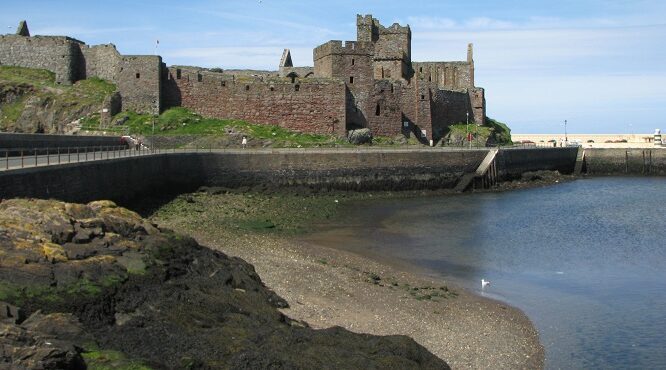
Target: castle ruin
(371,82)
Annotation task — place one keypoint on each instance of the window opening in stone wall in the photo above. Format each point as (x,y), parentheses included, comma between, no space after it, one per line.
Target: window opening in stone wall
(199,77)
(272,88)
(351,79)
(297,87)
(293,79)
(247,87)
(178,74)
(138,75)
(223,83)
(352,61)
(430,78)
(420,69)
(422,97)
(378,110)
(392,88)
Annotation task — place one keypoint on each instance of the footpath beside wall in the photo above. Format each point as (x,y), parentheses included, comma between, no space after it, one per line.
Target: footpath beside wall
(625,161)
(125,179)
(29,141)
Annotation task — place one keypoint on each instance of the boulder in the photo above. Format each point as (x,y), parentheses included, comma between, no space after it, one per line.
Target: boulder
(360,136)
(39,343)
(98,279)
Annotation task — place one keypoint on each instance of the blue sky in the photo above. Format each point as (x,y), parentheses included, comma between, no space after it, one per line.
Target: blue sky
(600,64)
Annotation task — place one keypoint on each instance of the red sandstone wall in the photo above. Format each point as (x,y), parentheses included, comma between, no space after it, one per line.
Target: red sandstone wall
(313,106)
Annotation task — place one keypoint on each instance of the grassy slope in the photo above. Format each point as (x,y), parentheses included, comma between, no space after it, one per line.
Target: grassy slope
(181,121)
(499,131)
(42,84)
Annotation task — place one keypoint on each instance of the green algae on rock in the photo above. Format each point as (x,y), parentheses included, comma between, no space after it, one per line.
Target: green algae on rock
(147,297)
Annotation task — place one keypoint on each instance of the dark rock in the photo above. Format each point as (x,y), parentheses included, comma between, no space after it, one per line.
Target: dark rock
(158,296)
(10,314)
(122,120)
(39,343)
(360,136)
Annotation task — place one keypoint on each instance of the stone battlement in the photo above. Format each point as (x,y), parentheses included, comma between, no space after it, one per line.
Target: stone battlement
(338,47)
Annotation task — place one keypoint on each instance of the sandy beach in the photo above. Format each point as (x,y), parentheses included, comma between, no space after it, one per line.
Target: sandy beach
(328,287)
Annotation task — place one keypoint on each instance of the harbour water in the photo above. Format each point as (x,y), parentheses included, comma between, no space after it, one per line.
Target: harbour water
(585,260)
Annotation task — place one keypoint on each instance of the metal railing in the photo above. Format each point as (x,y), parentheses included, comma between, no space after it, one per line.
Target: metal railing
(33,157)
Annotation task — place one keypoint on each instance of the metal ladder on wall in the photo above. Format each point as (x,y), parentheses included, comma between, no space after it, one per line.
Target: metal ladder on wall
(485,175)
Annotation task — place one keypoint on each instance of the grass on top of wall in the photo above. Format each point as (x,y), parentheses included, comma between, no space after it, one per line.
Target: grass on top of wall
(182,121)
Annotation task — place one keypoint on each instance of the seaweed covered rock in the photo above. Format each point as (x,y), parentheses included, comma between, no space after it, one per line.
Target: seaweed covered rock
(121,291)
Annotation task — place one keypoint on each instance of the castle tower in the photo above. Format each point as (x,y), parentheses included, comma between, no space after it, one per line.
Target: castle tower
(22,29)
(366,29)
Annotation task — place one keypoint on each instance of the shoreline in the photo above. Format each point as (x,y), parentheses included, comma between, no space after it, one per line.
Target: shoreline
(328,287)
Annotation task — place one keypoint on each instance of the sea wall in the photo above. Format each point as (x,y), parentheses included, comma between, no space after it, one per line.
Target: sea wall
(29,141)
(126,178)
(512,163)
(625,161)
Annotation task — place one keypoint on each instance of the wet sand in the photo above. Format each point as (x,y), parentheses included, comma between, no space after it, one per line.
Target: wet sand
(328,287)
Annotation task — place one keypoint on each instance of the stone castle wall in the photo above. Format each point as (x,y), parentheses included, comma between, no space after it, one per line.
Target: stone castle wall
(311,105)
(58,54)
(137,77)
(371,83)
(447,75)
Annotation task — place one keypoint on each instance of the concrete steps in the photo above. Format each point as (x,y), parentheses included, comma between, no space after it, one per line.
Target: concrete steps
(481,171)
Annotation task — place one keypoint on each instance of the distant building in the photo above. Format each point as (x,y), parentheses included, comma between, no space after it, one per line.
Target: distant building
(371,82)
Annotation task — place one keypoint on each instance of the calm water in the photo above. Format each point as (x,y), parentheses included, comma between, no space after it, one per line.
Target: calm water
(585,260)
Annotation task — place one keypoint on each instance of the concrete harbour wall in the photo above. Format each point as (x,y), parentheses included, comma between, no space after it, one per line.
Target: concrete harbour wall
(513,163)
(14,141)
(125,179)
(650,162)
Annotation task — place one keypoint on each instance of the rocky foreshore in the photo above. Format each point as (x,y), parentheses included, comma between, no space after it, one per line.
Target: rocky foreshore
(328,287)
(97,286)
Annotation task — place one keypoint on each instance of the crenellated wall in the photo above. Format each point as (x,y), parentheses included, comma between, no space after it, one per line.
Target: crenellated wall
(310,105)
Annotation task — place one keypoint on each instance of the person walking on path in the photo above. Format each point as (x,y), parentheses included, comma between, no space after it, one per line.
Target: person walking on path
(244,142)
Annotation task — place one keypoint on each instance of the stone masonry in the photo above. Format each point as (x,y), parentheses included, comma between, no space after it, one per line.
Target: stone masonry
(371,82)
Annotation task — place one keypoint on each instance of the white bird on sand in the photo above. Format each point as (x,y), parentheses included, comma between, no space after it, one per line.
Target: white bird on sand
(484,283)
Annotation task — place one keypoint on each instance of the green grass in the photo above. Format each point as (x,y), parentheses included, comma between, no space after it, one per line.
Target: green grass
(12,112)
(30,76)
(97,359)
(182,121)
(41,84)
(501,131)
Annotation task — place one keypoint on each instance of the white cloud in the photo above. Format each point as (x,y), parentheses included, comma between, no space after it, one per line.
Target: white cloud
(488,23)
(431,22)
